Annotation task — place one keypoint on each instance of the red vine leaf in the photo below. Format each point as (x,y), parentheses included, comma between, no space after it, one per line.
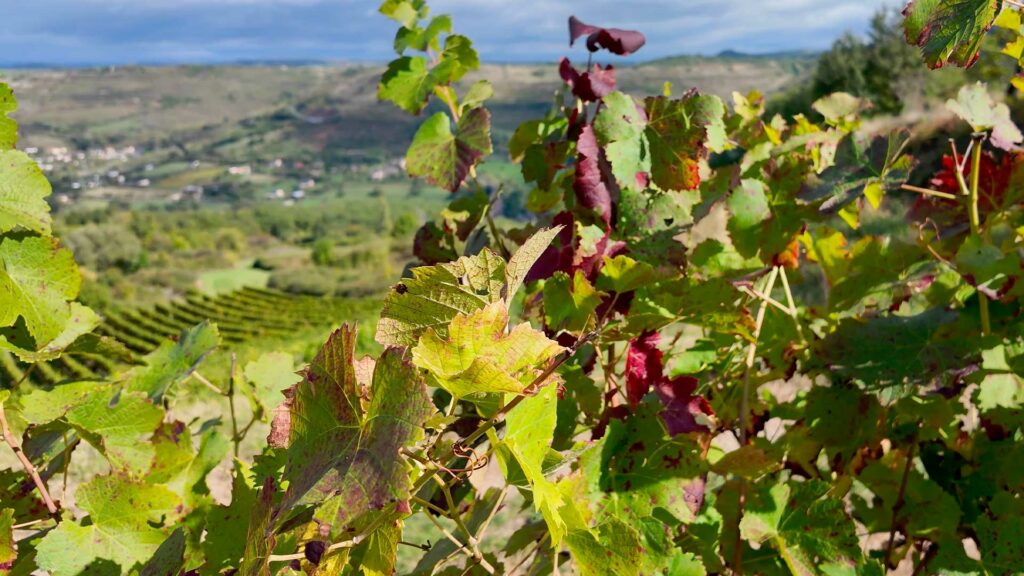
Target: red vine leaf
(589,86)
(591,184)
(614,40)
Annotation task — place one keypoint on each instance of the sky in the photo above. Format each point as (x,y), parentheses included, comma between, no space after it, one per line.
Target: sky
(107,32)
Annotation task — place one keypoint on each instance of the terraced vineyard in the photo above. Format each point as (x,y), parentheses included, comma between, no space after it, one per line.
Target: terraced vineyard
(241,317)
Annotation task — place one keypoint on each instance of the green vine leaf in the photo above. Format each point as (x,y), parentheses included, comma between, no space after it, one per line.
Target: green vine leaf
(23,192)
(81,321)
(173,362)
(444,158)
(118,426)
(530,427)
(478,357)
(126,526)
(522,261)
(436,294)
(408,83)
(807,526)
(620,129)
(680,133)
(38,279)
(405,12)
(268,376)
(949,31)
(863,167)
(570,303)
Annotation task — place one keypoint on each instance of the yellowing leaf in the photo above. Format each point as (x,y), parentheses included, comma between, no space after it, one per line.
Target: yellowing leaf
(436,294)
(479,358)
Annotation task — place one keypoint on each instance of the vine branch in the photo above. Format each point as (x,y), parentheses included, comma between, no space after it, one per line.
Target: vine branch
(5,429)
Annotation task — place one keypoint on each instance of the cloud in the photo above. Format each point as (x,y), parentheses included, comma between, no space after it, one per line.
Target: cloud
(127,31)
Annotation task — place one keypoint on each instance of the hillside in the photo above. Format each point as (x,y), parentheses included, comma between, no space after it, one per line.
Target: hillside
(323,106)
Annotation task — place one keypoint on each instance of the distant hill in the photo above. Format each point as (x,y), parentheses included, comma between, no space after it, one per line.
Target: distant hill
(238,111)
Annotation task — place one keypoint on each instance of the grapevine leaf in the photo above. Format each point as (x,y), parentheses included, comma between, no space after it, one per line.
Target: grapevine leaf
(378,475)
(42,406)
(269,375)
(839,107)
(456,60)
(97,346)
(620,129)
(522,261)
(570,303)
(436,294)
(928,511)
(979,262)
(37,281)
(623,274)
(680,133)
(592,85)
(8,127)
(803,522)
(259,541)
(643,366)
(123,515)
(169,558)
(615,40)
(407,83)
(478,357)
(646,469)
(226,526)
(81,321)
(362,470)
(748,206)
(949,31)
(613,548)
(23,192)
(173,362)
(380,551)
(444,158)
(432,245)
(592,180)
(421,39)
(115,425)
(405,12)
(862,166)
(480,92)
(322,410)
(8,547)
(892,349)
(975,106)
(530,427)
(1000,535)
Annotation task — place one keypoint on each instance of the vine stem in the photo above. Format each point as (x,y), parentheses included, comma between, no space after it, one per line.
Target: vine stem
(986,324)
(235,439)
(737,564)
(898,505)
(5,429)
(929,192)
(752,355)
(474,555)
